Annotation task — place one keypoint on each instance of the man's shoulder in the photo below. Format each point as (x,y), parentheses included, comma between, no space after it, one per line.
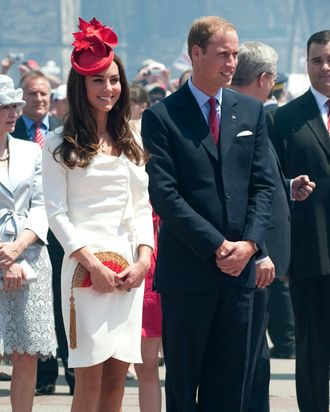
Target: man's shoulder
(171,104)
(293,104)
(232,96)
(20,129)
(54,122)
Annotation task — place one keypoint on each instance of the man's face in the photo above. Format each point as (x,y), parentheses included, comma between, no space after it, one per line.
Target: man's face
(37,97)
(318,66)
(216,66)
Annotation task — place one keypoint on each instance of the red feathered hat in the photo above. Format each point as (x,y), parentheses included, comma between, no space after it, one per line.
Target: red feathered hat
(93,47)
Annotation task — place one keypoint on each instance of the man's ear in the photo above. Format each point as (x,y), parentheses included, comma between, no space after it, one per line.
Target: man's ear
(196,51)
(261,79)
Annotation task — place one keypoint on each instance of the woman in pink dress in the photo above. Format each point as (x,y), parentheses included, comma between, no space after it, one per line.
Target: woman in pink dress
(149,386)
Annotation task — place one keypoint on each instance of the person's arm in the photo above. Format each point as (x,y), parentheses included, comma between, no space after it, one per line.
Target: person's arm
(301,187)
(265,272)
(143,225)
(261,188)
(36,225)
(11,251)
(232,257)
(54,182)
(6,64)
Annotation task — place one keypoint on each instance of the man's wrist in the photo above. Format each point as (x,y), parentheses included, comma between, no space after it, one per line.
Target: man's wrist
(253,245)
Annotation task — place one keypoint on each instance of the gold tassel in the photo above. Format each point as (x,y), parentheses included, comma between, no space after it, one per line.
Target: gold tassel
(73,323)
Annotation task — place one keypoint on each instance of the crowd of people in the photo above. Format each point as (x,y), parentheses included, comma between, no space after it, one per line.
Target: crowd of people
(188,216)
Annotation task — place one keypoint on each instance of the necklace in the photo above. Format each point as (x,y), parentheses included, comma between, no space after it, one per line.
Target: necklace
(103,147)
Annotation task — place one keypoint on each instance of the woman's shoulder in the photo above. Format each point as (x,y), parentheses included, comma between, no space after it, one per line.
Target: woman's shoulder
(54,138)
(136,135)
(24,145)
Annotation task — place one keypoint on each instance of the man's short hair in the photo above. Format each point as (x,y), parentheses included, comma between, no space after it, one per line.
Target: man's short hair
(321,37)
(254,58)
(33,74)
(202,30)
(138,94)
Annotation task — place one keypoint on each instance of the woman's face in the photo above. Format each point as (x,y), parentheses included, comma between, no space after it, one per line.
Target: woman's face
(103,89)
(8,116)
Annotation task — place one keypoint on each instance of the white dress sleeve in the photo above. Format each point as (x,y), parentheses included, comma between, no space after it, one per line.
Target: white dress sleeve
(142,218)
(54,176)
(142,209)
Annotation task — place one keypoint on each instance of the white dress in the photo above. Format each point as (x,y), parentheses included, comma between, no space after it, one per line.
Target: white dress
(105,207)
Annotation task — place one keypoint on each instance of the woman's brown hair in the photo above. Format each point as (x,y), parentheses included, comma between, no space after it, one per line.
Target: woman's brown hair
(80,140)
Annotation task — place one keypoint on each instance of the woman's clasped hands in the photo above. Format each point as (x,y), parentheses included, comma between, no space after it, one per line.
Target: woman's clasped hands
(104,279)
(13,277)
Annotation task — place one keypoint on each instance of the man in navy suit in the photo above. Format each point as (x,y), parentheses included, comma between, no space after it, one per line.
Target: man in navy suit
(213,191)
(255,76)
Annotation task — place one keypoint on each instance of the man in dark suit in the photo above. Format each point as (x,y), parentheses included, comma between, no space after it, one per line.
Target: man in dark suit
(255,76)
(280,321)
(36,93)
(301,138)
(213,193)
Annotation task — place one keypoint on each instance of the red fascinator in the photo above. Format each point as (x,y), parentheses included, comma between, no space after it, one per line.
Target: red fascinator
(93,47)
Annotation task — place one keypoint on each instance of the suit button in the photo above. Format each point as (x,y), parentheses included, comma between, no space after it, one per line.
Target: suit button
(227,195)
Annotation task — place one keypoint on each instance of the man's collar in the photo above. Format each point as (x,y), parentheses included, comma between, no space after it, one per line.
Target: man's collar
(29,123)
(320,98)
(200,96)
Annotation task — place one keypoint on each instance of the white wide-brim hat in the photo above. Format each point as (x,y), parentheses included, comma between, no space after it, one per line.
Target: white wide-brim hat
(8,93)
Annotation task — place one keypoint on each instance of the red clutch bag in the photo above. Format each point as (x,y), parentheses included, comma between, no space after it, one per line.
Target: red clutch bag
(81,279)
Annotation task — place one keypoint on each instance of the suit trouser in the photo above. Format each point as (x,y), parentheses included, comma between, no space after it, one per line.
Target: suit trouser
(281,322)
(311,307)
(48,371)
(256,396)
(206,346)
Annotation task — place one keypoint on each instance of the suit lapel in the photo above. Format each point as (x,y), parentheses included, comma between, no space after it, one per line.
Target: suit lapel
(4,173)
(314,120)
(20,131)
(194,119)
(229,117)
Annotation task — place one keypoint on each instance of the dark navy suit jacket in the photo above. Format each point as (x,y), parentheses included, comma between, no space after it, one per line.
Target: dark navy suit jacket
(204,193)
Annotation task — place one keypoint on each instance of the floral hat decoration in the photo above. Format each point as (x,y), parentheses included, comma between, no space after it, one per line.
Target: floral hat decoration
(93,47)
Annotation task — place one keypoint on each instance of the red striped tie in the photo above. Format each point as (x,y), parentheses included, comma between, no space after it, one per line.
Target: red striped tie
(213,119)
(38,136)
(328,104)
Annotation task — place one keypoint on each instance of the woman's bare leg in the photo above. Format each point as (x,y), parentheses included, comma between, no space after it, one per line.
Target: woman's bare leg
(113,385)
(150,396)
(87,388)
(23,382)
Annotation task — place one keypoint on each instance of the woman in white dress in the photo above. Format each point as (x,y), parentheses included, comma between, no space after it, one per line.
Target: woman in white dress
(96,194)
(26,309)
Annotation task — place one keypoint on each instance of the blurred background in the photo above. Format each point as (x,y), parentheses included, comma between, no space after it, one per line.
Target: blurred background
(41,31)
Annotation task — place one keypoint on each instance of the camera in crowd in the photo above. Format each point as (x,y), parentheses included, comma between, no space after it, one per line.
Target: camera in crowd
(16,57)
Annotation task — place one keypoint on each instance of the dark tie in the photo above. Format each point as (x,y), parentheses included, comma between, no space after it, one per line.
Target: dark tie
(213,119)
(328,104)
(38,136)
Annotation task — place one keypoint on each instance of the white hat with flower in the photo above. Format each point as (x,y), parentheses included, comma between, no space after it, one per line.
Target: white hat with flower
(8,93)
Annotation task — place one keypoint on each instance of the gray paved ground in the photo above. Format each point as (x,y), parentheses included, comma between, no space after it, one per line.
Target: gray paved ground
(282,392)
